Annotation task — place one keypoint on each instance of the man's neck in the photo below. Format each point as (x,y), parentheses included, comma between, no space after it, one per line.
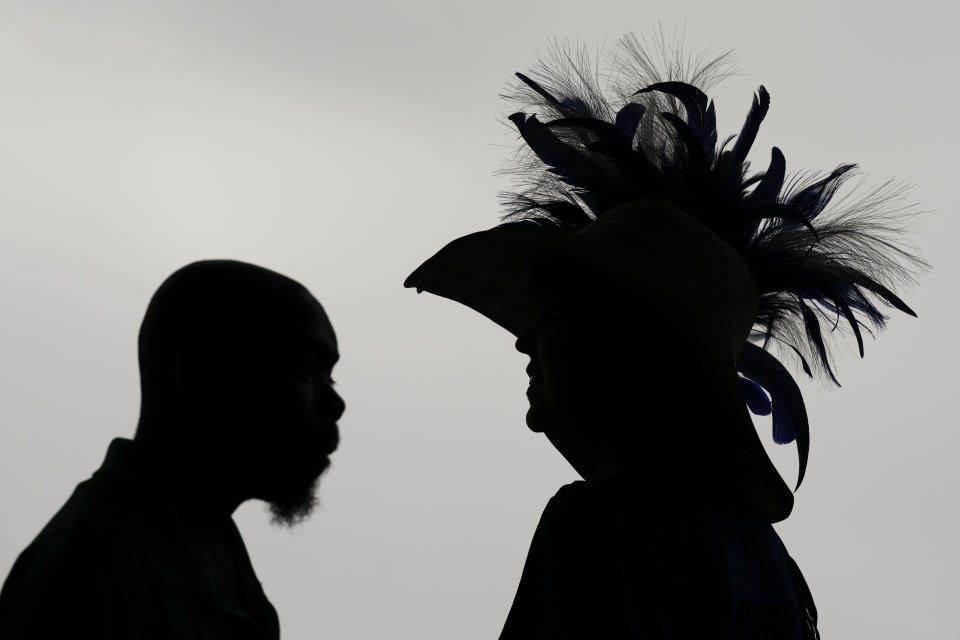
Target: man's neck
(194,486)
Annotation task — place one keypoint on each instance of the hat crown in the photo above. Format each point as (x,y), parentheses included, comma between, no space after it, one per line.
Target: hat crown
(664,233)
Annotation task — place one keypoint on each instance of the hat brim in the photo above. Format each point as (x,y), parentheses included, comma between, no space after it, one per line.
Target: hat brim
(490,271)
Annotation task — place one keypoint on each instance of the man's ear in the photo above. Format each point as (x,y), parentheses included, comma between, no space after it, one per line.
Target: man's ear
(180,379)
(189,371)
(202,375)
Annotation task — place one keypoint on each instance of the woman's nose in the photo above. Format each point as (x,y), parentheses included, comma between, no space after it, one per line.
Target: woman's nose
(525,340)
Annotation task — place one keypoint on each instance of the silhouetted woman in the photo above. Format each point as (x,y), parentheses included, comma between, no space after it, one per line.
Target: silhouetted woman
(646,274)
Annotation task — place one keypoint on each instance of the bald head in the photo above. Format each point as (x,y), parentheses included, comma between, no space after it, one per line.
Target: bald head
(222,312)
(235,370)
(217,304)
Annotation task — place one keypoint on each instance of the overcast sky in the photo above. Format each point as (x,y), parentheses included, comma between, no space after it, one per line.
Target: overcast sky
(342,144)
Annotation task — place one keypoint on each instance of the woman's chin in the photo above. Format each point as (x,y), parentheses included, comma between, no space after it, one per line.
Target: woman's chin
(536,419)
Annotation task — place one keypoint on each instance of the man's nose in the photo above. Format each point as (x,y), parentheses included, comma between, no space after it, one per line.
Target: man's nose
(329,402)
(339,405)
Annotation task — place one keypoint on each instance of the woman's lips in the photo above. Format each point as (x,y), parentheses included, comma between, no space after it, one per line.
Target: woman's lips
(534,381)
(532,372)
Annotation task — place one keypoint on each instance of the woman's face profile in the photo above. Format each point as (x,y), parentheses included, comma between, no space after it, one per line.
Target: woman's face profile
(564,362)
(606,366)
(578,348)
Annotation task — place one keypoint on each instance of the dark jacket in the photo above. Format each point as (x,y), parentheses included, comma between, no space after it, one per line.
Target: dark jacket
(615,559)
(114,562)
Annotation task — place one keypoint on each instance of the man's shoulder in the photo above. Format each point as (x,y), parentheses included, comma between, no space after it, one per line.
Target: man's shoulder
(87,528)
(101,523)
(63,561)
(96,513)
(108,512)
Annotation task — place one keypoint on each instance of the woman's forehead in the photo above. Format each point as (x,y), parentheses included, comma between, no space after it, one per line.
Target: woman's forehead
(559,274)
(572,280)
(597,299)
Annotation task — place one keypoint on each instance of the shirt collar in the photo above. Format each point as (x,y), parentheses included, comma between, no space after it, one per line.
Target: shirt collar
(169,548)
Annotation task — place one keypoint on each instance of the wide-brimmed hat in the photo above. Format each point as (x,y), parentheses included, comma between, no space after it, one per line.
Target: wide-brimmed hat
(637,187)
(649,246)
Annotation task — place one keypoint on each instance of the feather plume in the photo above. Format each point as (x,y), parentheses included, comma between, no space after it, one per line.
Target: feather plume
(825,265)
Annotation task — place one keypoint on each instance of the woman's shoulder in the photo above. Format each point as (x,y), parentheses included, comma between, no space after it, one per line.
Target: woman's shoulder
(694,538)
(599,543)
(652,499)
(580,503)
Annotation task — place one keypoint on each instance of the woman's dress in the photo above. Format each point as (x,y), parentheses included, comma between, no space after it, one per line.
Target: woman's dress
(621,558)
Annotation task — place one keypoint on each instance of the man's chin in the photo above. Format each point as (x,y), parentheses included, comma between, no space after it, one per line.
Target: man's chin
(296,506)
(297,503)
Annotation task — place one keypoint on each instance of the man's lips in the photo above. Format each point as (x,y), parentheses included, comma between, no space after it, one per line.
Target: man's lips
(333,439)
(323,438)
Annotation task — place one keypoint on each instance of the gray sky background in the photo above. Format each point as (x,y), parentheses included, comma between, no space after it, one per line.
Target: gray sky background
(342,144)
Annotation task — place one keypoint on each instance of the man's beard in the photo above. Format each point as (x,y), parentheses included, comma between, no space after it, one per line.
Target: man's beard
(294,508)
(294,502)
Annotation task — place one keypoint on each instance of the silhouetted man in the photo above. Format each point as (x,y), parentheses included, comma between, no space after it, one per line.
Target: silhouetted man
(237,403)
